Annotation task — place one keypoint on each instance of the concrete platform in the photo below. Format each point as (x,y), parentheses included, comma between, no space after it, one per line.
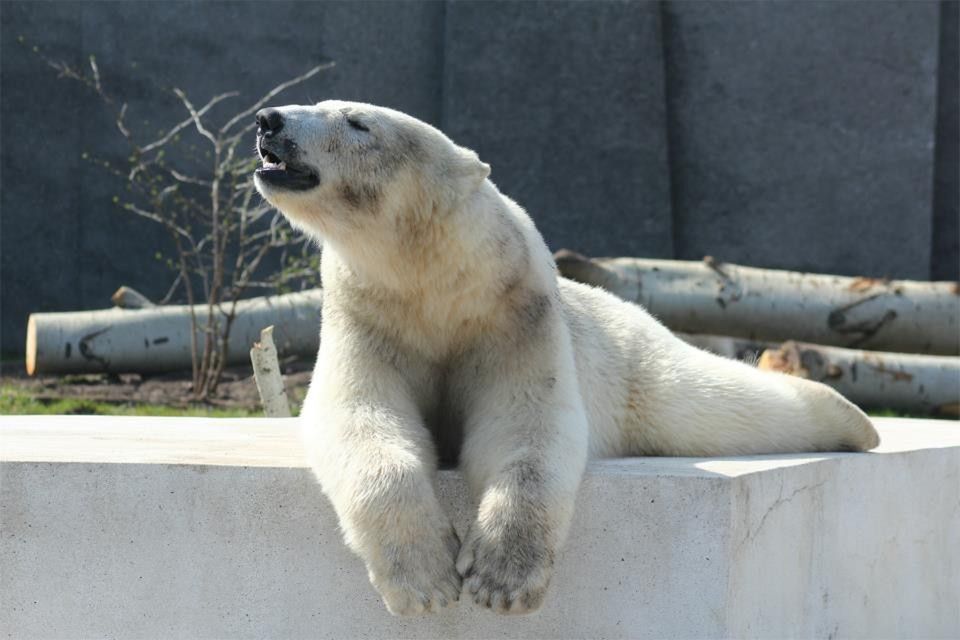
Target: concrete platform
(196,528)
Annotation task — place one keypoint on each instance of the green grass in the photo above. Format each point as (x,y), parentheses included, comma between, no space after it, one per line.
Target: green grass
(897,413)
(15,402)
(890,413)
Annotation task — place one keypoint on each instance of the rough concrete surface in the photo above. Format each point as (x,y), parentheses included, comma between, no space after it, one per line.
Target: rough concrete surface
(193,528)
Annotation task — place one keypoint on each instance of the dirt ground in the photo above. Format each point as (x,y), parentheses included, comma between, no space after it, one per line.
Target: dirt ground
(237,390)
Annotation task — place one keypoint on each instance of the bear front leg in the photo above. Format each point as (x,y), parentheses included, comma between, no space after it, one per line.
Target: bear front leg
(524,456)
(391,518)
(374,460)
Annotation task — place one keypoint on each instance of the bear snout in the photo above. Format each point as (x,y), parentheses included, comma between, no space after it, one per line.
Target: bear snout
(269,121)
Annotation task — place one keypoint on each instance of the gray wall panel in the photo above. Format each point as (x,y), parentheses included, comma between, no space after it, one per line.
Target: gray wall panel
(945,259)
(39,163)
(802,133)
(565,101)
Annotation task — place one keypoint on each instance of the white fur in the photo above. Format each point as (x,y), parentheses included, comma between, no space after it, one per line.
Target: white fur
(446,330)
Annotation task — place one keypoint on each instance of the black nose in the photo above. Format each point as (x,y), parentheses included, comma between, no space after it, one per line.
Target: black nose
(269,120)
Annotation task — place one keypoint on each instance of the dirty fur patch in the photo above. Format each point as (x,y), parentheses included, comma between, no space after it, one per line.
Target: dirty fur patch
(360,196)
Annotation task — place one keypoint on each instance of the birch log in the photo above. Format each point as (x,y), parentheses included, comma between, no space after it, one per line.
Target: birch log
(734,348)
(870,379)
(266,372)
(768,305)
(158,338)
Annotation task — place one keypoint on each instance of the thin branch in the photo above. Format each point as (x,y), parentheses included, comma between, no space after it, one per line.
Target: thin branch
(188,179)
(195,117)
(96,76)
(253,215)
(120,125)
(149,215)
(168,190)
(172,289)
(241,134)
(185,123)
(66,71)
(243,115)
(259,235)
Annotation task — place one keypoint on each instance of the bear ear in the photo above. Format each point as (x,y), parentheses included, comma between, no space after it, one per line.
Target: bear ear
(457,177)
(484,169)
(475,170)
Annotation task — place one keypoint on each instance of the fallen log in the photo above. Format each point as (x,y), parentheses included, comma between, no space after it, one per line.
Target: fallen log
(158,338)
(769,305)
(915,383)
(735,348)
(871,379)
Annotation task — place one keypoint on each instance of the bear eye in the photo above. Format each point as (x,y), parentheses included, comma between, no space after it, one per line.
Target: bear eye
(356,124)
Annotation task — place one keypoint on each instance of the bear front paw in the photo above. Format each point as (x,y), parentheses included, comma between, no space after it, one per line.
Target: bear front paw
(421,577)
(507,575)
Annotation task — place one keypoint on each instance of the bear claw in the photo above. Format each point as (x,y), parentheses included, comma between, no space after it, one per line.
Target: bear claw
(422,582)
(497,580)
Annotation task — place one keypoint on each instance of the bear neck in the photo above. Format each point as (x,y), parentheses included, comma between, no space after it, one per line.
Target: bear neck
(476,246)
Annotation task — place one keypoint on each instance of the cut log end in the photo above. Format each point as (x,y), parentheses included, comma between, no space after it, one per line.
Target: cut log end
(128,298)
(786,359)
(580,268)
(31,355)
(949,410)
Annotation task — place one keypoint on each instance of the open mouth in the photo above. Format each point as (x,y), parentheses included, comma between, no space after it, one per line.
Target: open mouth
(283,173)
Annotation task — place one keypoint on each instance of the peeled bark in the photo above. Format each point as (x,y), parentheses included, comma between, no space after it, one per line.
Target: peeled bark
(158,338)
(769,305)
(870,379)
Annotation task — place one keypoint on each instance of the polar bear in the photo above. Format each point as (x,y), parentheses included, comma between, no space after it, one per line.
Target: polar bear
(448,334)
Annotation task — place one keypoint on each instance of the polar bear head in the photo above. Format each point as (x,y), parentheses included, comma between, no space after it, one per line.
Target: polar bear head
(344,169)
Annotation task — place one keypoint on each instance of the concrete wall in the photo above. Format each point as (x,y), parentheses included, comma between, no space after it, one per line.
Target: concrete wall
(566,102)
(802,133)
(798,135)
(193,528)
(945,258)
